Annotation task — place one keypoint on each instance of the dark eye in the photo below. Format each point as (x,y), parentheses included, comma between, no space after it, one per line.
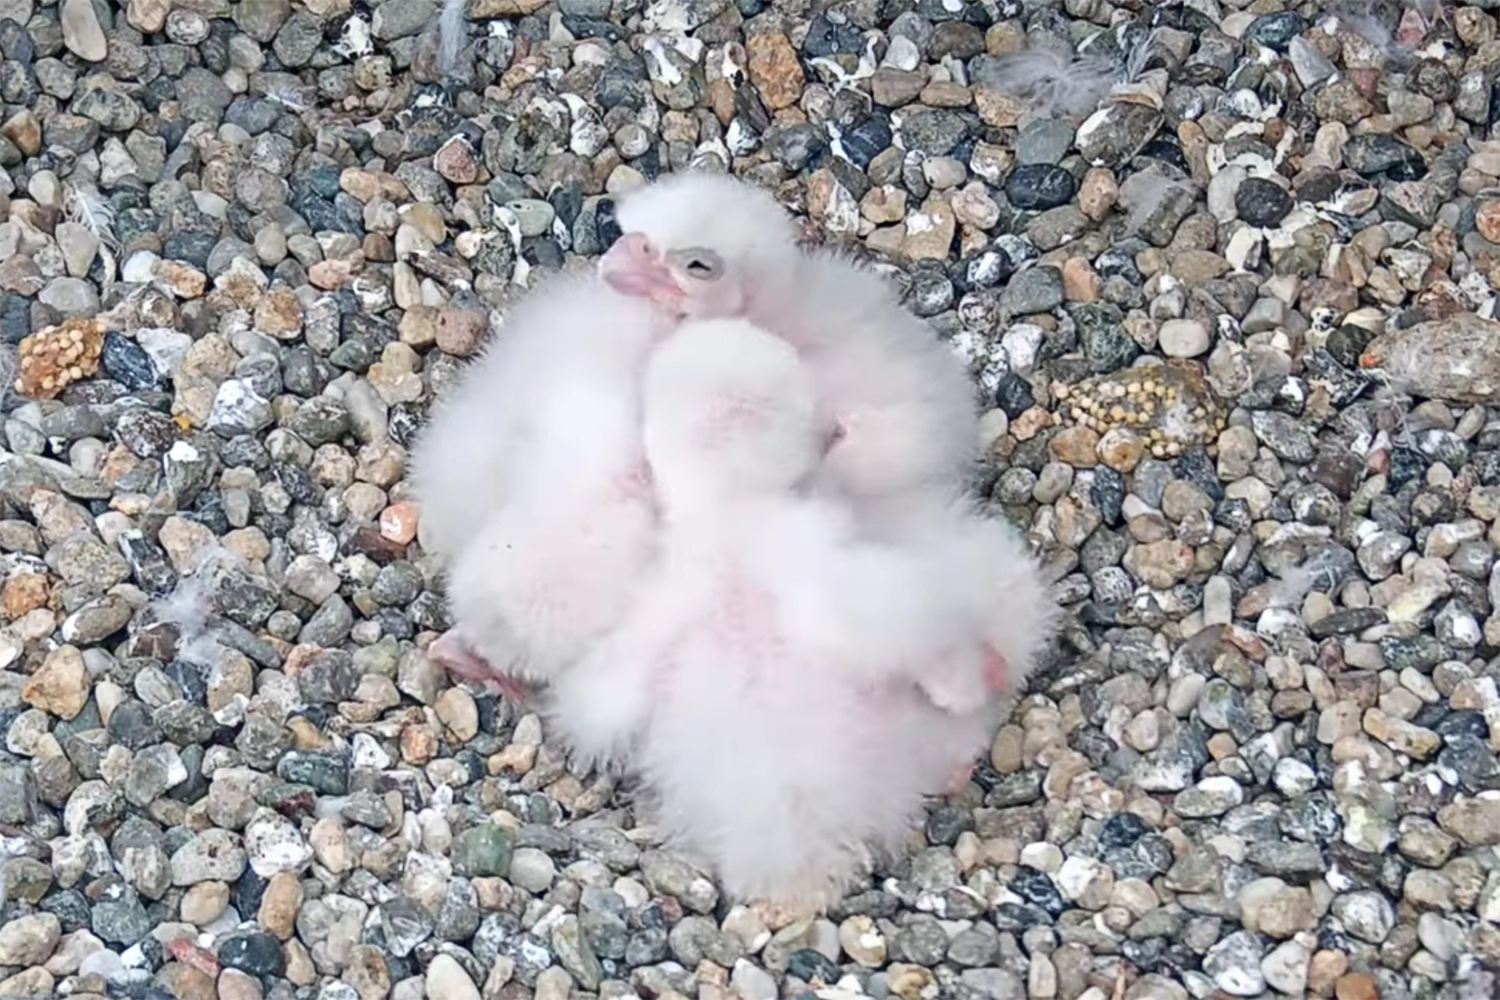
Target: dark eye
(700,264)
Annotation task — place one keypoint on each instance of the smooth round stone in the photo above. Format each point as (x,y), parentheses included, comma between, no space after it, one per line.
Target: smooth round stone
(533,215)
(1183,338)
(1040,186)
(1045,140)
(254,952)
(1261,202)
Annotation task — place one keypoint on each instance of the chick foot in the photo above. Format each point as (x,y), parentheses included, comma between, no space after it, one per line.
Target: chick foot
(996,670)
(460,660)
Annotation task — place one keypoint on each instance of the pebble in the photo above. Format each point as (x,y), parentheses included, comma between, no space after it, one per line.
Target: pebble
(1040,186)
(1262,202)
(82,32)
(1183,338)
(447,980)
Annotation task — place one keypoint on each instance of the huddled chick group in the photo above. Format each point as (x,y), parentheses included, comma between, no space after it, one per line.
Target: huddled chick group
(708,503)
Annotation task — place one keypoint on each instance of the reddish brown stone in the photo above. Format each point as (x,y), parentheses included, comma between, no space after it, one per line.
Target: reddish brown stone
(774,69)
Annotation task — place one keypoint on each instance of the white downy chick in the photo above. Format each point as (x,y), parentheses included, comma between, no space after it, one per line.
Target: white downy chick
(762,685)
(898,406)
(530,481)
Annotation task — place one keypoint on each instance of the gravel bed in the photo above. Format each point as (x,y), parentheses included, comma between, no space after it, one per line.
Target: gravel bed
(1224,271)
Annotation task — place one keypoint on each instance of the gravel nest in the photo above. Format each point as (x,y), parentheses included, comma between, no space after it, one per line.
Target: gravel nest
(244,245)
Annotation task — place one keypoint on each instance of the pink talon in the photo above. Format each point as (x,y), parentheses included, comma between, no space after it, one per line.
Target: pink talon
(460,660)
(996,670)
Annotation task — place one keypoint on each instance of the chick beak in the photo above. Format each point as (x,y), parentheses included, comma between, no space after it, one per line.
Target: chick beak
(634,266)
(1368,361)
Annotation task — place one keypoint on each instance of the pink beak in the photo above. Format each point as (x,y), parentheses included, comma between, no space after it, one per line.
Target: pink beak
(634,267)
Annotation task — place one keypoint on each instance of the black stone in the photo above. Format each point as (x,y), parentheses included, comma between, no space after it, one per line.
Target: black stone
(1407,170)
(1275,30)
(1147,955)
(1463,724)
(810,966)
(593,27)
(147,433)
(70,907)
(1420,652)
(866,139)
(1166,149)
(1376,154)
(1346,621)
(604,221)
(619,84)
(1122,830)
(824,38)
(1040,186)
(1108,494)
(794,145)
(1019,916)
(1014,395)
(324,772)
(1093,744)
(1101,333)
(1347,343)
(1406,465)
(131,725)
(1473,761)
(1261,202)
(405,421)
(1194,465)
(255,952)
(946,822)
(127,363)
(1116,263)
(1155,850)
(1036,888)
(930,292)
(988,268)
(567,202)
(189,677)
(934,132)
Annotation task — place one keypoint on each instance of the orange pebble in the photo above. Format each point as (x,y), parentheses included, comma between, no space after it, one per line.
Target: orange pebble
(398,522)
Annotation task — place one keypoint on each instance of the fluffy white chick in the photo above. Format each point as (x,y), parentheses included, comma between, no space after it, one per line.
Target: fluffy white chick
(898,406)
(763,684)
(531,481)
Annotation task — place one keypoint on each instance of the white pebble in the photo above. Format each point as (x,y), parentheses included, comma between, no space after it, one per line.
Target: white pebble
(447,980)
(532,869)
(1183,338)
(751,982)
(1042,856)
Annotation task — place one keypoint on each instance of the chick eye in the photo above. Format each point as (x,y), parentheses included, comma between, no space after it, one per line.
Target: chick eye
(704,265)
